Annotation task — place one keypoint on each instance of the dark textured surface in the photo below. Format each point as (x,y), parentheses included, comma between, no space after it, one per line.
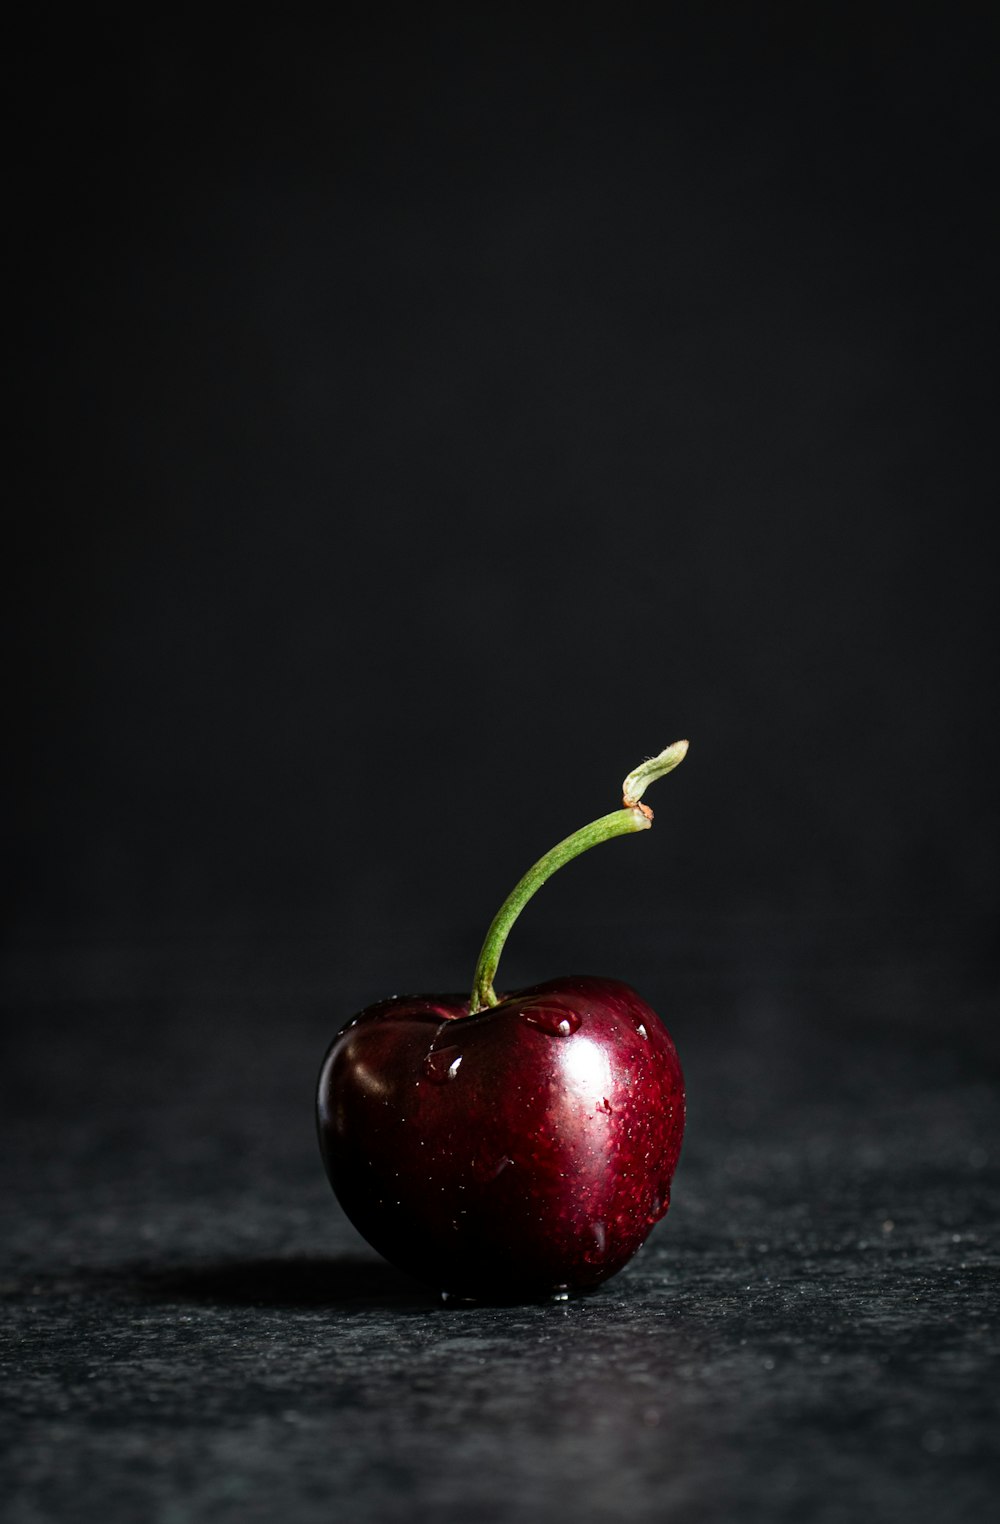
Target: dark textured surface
(423,418)
(192,1331)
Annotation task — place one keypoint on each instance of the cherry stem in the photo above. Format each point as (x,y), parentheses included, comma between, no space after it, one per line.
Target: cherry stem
(633,816)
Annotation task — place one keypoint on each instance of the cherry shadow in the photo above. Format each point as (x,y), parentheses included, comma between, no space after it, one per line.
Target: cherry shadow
(349,1283)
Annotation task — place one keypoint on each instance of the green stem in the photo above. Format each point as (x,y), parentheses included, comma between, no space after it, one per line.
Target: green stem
(633,816)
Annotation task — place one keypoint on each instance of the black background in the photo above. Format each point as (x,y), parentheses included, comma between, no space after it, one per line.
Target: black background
(430,416)
(420,418)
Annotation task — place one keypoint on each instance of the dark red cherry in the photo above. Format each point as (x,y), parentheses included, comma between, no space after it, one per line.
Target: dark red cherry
(525,1150)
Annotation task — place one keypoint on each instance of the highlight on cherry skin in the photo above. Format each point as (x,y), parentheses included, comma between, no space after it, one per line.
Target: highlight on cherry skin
(512,1146)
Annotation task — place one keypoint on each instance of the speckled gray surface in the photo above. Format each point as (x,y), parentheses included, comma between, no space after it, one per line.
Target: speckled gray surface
(193,1332)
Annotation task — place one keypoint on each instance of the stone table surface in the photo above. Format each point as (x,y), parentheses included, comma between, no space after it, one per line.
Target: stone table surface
(192,1331)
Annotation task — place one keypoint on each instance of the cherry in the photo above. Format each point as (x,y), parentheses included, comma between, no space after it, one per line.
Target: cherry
(512,1146)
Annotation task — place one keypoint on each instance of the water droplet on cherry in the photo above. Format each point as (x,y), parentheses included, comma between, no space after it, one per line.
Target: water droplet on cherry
(556,1020)
(487,1167)
(641,1029)
(659,1205)
(595,1253)
(442,1065)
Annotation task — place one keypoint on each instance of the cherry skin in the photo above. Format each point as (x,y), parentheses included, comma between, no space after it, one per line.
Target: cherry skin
(524,1150)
